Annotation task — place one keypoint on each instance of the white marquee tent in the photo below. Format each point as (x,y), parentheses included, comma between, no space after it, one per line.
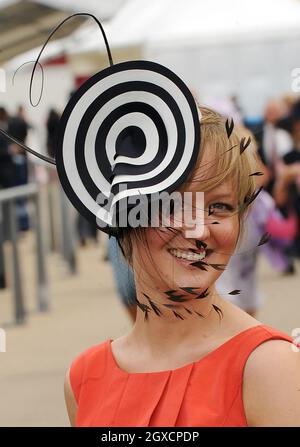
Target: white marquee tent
(248,48)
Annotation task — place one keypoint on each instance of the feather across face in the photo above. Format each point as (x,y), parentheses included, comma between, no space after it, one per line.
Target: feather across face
(196,262)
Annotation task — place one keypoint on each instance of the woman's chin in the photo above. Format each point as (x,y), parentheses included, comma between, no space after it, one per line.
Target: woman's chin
(185,277)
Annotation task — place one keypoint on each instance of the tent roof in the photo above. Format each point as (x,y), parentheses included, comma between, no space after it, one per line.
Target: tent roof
(104,9)
(26,24)
(177,23)
(181,22)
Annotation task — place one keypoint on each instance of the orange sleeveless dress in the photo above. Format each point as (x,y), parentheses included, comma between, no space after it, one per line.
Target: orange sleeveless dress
(205,393)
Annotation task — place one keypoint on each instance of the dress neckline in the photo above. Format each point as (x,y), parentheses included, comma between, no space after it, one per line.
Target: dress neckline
(188,365)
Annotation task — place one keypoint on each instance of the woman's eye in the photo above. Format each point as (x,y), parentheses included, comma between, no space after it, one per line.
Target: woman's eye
(220,208)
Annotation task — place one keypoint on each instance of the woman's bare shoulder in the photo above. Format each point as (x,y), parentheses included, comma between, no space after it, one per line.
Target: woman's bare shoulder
(271,386)
(236,320)
(83,362)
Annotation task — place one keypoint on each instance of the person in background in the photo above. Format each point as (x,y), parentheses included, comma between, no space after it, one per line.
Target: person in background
(52,126)
(242,270)
(7,179)
(273,142)
(18,128)
(84,229)
(291,103)
(287,185)
(7,171)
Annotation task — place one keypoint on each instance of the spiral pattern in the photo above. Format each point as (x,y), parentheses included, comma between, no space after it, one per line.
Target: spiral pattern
(134,124)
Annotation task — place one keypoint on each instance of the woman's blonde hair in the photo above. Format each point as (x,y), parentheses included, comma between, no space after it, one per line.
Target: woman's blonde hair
(226,162)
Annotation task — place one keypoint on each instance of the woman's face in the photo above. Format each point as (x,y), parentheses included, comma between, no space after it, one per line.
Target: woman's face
(167,266)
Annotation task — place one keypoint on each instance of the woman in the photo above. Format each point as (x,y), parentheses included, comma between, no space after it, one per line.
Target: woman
(287,186)
(191,358)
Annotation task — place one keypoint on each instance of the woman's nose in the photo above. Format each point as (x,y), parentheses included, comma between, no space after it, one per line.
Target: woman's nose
(197,230)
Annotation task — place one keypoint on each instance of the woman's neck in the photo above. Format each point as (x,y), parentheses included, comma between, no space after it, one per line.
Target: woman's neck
(162,328)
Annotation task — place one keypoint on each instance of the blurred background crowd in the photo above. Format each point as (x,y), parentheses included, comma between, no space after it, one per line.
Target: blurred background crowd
(240,58)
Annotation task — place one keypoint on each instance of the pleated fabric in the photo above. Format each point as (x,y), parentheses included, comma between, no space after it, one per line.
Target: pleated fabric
(205,393)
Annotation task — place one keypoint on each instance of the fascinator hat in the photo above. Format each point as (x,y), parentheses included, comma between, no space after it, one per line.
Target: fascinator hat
(130,130)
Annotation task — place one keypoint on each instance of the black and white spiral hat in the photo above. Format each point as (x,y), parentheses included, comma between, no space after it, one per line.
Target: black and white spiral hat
(130,130)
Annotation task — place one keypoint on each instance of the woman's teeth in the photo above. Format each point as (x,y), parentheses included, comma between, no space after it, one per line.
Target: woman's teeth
(188,255)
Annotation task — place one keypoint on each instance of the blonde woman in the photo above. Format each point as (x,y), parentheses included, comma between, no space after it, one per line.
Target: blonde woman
(191,358)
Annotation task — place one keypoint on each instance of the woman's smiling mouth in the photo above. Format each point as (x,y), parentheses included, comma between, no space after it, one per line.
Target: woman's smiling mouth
(188,256)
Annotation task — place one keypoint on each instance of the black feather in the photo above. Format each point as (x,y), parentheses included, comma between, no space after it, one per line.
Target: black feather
(264,239)
(229,127)
(200,244)
(188,310)
(218,310)
(177,299)
(177,315)
(198,313)
(154,306)
(200,264)
(234,292)
(171,306)
(256,173)
(202,295)
(171,295)
(244,144)
(251,198)
(190,290)
(218,266)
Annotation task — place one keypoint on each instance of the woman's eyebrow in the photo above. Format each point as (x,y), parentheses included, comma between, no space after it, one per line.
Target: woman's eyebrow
(219,195)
